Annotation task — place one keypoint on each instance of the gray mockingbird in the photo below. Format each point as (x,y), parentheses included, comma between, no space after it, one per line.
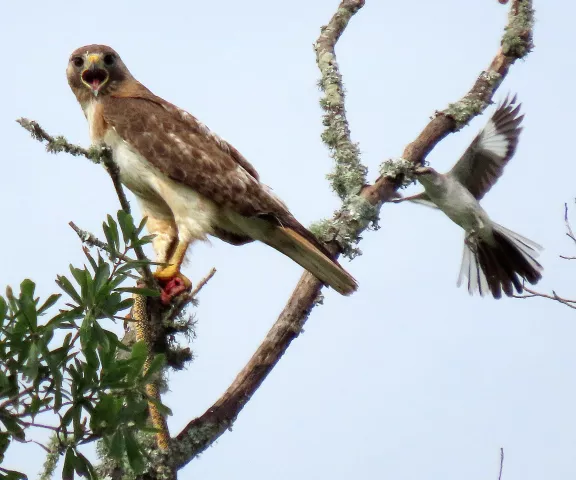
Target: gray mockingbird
(495,259)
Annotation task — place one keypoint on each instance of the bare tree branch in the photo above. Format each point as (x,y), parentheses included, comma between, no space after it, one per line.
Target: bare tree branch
(202,282)
(554,296)
(501,463)
(358,210)
(361,205)
(91,240)
(146,312)
(349,175)
(102,155)
(17,397)
(516,43)
(533,293)
(60,144)
(569,231)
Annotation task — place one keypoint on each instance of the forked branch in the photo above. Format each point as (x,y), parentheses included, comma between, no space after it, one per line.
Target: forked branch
(361,202)
(358,211)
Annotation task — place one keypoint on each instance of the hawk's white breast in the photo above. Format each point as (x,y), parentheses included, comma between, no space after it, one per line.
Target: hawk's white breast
(194,214)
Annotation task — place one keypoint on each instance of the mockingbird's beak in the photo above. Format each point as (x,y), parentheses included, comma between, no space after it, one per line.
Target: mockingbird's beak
(422,170)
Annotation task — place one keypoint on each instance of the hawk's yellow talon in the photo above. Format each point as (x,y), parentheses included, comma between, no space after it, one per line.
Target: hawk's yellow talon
(170,272)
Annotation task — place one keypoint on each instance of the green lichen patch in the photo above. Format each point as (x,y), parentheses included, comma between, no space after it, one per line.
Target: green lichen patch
(517,39)
(357,215)
(398,169)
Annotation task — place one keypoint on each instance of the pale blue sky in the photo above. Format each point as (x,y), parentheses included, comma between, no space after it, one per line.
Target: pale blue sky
(410,378)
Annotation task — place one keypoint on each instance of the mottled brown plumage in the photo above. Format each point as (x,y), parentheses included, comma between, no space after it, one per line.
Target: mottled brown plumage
(189,181)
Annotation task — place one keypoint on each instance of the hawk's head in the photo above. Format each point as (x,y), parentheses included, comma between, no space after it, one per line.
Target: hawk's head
(95,70)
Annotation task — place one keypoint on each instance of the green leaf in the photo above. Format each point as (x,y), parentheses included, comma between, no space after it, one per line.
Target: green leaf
(35,404)
(114,240)
(90,258)
(79,276)
(67,418)
(12,425)
(114,340)
(4,444)
(61,354)
(30,369)
(147,292)
(67,286)
(59,321)
(134,453)
(99,337)
(124,304)
(163,409)
(69,462)
(88,294)
(145,240)
(96,337)
(101,277)
(21,333)
(53,365)
(84,467)
(134,264)
(127,225)
(137,359)
(3,309)
(155,366)
(11,300)
(27,288)
(112,251)
(113,378)
(105,413)
(89,351)
(26,303)
(77,422)
(12,475)
(139,350)
(86,330)
(141,226)
(117,280)
(52,299)
(109,305)
(91,358)
(117,447)
(4,384)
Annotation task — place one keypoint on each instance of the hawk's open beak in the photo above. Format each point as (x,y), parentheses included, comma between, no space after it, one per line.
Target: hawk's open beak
(95,75)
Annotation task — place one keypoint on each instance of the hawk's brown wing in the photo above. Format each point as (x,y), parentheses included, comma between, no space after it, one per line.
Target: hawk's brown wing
(186,151)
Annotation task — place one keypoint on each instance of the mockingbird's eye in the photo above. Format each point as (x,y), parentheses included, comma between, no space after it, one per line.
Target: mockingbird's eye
(78,61)
(109,59)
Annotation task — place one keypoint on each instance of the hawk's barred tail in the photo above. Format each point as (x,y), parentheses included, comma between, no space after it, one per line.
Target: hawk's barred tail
(500,266)
(310,257)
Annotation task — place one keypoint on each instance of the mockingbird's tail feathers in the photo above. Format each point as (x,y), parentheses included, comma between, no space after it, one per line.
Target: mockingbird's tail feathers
(500,265)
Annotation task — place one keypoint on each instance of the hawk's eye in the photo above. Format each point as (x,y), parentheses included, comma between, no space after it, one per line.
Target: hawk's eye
(78,61)
(109,59)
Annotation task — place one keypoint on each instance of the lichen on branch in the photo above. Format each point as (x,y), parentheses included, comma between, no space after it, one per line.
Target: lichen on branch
(517,39)
(345,228)
(59,144)
(349,175)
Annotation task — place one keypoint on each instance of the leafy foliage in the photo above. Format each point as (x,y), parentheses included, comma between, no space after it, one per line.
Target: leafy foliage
(64,365)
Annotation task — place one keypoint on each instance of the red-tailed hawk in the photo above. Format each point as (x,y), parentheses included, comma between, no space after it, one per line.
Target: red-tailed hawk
(190,182)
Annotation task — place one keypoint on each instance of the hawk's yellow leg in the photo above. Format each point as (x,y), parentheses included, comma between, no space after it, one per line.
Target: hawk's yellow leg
(165,274)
